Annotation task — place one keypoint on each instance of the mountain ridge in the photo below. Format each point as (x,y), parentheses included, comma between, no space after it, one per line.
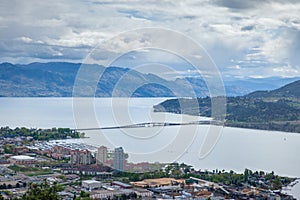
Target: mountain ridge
(290,90)
(56,79)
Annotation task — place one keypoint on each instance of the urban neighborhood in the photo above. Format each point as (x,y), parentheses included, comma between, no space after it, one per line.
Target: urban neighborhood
(81,171)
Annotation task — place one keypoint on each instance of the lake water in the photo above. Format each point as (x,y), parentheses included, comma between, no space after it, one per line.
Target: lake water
(235,149)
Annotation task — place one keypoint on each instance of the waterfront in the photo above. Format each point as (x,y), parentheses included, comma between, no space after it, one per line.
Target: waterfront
(293,189)
(236,149)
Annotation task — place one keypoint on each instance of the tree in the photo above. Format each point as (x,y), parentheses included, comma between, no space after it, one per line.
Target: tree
(276,184)
(84,194)
(246,175)
(42,191)
(8,148)
(4,186)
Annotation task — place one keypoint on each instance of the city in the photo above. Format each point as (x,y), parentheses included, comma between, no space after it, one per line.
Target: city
(83,171)
(151,99)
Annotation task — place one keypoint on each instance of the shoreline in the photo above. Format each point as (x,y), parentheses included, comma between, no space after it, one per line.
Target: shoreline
(289,188)
(230,126)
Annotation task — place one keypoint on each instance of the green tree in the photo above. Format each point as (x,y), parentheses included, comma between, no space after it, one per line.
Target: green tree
(8,148)
(84,194)
(246,175)
(42,191)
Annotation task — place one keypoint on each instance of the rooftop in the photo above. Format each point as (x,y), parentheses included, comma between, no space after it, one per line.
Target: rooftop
(90,181)
(22,157)
(121,184)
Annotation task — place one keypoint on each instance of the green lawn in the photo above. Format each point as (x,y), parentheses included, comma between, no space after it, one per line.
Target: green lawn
(30,171)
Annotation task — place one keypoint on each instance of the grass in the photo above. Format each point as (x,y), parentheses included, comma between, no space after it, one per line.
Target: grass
(39,173)
(30,171)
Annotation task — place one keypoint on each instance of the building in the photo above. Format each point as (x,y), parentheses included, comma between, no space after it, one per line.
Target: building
(101,155)
(60,152)
(3,162)
(142,192)
(20,150)
(91,184)
(109,194)
(22,160)
(83,157)
(121,184)
(91,170)
(119,159)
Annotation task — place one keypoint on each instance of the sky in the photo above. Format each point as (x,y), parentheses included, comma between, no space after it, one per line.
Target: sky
(253,38)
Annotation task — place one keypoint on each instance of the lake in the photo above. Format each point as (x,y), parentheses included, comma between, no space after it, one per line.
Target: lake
(235,149)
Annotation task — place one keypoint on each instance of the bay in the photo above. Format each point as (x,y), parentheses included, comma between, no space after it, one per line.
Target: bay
(236,148)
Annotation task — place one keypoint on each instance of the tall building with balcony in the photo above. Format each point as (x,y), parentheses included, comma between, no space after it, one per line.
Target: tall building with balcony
(83,157)
(119,159)
(101,155)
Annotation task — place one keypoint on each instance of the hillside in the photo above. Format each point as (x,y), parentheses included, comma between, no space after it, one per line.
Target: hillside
(290,90)
(56,79)
(37,79)
(267,111)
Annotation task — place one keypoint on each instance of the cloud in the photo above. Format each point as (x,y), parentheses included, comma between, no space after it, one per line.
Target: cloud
(237,4)
(258,36)
(24,39)
(286,70)
(248,28)
(234,67)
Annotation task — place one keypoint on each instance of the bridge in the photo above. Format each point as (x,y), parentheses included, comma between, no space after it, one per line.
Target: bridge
(153,124)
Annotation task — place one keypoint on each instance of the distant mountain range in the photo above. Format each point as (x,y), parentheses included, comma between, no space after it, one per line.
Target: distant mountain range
(56,79)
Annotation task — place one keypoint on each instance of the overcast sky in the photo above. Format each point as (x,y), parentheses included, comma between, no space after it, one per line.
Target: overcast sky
(245,38)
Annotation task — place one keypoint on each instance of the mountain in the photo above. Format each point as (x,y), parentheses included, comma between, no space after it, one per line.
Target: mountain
(56,79)
(290,90)
(37,79)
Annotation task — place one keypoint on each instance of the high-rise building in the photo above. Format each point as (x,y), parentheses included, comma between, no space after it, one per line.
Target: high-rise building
(101,155)
(119,159)
(81,157)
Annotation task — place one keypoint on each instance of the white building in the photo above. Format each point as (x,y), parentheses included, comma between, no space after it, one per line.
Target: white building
(140,192)
(101,155)
(119,159)
(22,160)
(101,194)
(91,184)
